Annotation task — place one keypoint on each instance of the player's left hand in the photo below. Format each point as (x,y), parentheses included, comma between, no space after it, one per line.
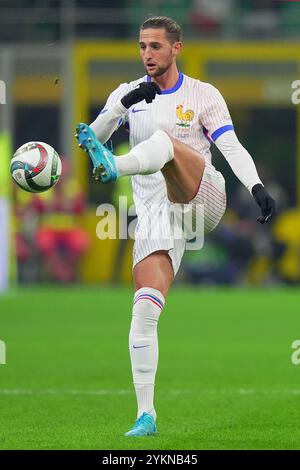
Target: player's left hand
(265,202)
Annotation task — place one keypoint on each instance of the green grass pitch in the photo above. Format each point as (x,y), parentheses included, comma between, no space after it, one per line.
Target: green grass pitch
(225,377)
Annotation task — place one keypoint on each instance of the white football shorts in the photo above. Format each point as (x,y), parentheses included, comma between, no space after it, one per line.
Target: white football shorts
(176,227)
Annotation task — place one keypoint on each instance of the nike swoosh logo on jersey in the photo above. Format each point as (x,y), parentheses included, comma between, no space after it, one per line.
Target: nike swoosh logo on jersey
(138,110)
(138,347)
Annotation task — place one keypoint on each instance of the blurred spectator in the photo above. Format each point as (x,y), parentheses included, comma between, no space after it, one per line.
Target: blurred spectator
(208,17)
(240,250)
(59,237)
(259,18)
(54,20)
(123,189)
(225,257)
(27,207)
(50,242)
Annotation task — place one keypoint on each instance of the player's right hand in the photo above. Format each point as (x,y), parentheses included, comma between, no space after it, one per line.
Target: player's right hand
(145,91)
(265,202)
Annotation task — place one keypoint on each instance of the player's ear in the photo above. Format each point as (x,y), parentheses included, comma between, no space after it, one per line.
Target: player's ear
(177,47)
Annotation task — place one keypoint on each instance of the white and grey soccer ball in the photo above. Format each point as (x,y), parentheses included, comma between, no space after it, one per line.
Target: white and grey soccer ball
(35,167)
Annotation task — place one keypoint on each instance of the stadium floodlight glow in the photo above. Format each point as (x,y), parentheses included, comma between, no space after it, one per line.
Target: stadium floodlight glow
(2,92)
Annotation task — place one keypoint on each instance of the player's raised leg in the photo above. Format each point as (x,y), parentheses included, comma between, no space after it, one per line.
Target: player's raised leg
(153,277)
(183,174)
(181,165)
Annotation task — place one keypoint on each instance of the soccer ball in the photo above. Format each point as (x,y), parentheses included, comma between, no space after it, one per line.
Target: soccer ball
(35,167)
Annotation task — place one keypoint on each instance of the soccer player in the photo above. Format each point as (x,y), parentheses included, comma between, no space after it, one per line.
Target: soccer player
(172,119)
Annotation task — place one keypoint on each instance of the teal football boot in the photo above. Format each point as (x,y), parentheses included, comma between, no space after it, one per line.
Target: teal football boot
(144,426)
(102,158)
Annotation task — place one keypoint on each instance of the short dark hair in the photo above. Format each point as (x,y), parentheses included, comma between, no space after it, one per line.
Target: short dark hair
(172,28)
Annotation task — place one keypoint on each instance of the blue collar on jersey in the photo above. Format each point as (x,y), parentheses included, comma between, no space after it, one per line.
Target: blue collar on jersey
(174,88)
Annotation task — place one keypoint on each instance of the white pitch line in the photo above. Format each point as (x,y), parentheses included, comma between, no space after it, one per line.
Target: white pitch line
(16,392)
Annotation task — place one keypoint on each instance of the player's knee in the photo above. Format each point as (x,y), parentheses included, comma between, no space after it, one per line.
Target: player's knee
(162,138)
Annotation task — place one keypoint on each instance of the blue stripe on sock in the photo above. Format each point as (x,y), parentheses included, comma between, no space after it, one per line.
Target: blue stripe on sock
(152,297)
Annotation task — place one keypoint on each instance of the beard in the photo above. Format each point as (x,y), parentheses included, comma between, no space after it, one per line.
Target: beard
(159,71)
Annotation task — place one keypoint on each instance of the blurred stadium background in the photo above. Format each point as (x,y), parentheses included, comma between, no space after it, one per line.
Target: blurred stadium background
(59,60)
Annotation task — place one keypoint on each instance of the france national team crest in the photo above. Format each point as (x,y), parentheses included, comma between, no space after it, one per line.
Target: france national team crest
(184,120)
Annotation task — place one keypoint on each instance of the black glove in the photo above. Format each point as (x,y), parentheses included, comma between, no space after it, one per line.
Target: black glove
(265,202)
(145,91)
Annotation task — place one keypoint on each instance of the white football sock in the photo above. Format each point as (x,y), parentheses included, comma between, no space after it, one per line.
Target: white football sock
(143,346)
(147,157)
(145,399)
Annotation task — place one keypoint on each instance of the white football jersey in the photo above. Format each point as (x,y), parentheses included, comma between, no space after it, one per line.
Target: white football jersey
(192,111)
